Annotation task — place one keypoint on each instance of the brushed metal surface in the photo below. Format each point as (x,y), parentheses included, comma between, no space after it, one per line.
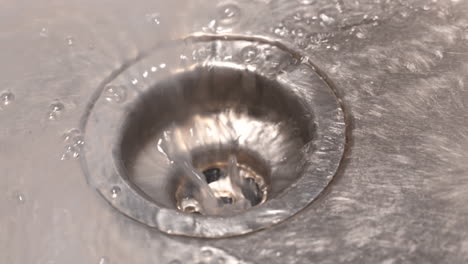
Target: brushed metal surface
(398,67)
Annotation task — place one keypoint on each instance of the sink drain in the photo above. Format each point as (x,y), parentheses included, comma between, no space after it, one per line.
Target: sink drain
(238,181)
(213,137)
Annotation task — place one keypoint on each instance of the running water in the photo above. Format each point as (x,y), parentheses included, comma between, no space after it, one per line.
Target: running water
(221,190)
(202,194)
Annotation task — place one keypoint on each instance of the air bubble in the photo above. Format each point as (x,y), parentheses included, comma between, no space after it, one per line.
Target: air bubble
(55,110)
(299,32)
(44,33)
(115,93)
(69,40)
(228,14)
(280,31)
(327,20)
(6,98)
(249,53)
(115,191)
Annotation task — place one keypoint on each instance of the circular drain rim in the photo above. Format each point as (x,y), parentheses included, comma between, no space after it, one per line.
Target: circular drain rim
(101,159)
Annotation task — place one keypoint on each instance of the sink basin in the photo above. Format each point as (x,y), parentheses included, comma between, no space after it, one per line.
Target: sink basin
(259,131)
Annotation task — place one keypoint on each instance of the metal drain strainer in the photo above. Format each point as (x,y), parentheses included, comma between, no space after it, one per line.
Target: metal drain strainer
(213,137)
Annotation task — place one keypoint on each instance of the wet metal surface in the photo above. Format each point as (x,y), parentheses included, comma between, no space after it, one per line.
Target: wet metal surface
(398,68)
(285,115)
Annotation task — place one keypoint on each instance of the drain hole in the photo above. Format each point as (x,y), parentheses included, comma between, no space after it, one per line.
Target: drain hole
(212,174)
(230,184)
(226,199)
(215,141)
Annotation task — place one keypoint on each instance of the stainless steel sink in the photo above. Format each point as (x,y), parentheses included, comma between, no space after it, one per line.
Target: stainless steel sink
(259,131)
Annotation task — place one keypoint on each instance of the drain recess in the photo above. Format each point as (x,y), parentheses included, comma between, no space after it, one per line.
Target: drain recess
(208,144)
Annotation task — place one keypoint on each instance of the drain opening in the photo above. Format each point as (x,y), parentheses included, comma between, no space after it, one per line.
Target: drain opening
(233,183)
(212,174)
(216,141)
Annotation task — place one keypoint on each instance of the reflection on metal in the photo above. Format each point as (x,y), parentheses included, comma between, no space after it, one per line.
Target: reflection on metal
(398,69)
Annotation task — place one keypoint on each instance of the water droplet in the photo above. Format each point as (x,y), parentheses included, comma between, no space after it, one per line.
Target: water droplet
(44,32)
(115,191)
(206,253)
(162,65)
(70,40)
(154,18)
(211,27)
(71,151)
(340,6)
(55,110)
(6,98)
(299,32)
(307,2)
(182,57)
(280,31)
(249,53)
(200,54)
(360,35)
(115,93)
(19,197)
(71,134)
(302,42)
(103,260)
(298,16)
(327,20)
(228,14)
(426,8)
(74,144)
